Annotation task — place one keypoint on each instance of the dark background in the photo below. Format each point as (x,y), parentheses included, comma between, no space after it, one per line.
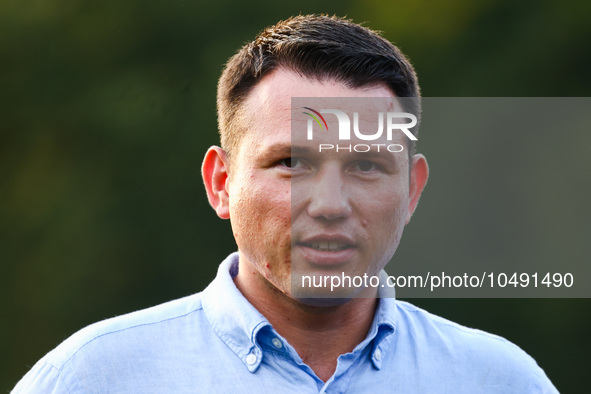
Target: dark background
(106,110)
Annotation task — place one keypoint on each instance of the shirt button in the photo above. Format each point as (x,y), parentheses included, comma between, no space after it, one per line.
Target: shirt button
(277,343)
(378,354)
(251,359)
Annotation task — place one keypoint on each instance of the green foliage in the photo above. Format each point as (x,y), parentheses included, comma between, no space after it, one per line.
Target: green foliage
(106,109)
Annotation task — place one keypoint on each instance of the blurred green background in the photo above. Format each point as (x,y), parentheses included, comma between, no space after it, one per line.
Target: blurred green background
(106,110)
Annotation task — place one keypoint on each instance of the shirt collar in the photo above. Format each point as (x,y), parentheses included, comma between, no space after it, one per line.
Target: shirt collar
(238,323)
(232,317)
(383,325)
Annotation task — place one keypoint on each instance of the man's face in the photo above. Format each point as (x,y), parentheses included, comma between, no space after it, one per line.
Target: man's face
(296,211)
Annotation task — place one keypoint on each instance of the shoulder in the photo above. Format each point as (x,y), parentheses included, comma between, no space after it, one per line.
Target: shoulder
(117,344)
(479,355)
(436,327)
(143,323)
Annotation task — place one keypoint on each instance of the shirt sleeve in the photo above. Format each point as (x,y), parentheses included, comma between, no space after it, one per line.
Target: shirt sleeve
(42,378)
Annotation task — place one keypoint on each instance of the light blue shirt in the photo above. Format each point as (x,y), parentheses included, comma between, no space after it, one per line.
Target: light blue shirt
(217,342)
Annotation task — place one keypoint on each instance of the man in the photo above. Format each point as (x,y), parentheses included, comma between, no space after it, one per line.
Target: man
(297,211)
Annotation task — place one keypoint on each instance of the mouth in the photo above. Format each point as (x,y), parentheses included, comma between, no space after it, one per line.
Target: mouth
(327,246)
(327,250)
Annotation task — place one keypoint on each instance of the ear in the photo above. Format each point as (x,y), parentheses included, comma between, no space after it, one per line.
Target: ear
(418,178)
(215,176)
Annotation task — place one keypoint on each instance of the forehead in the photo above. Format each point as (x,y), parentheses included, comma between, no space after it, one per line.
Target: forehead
(269,102)
(268,116)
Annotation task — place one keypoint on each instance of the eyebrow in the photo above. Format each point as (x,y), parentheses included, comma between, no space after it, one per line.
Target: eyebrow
(383,153)
(288,150)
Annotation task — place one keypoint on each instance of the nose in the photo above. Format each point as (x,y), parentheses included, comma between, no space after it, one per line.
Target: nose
(328,195)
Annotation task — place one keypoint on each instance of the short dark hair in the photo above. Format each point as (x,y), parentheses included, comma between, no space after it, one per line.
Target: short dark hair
(320,47)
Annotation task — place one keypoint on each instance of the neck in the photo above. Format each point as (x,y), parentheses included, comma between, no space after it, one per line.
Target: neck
(319,334)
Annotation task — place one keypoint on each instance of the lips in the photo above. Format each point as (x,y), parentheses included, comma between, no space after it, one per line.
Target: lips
(328,241)
(327,246)
(327,249)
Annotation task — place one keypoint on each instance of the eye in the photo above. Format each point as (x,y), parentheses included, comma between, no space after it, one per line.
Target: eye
(366,166)
(291,162)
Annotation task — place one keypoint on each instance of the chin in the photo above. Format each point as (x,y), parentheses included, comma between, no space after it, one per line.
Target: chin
(322,301)
(325,296)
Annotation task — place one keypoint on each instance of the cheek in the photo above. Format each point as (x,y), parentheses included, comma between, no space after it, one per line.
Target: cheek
(261,220)
(387,219)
